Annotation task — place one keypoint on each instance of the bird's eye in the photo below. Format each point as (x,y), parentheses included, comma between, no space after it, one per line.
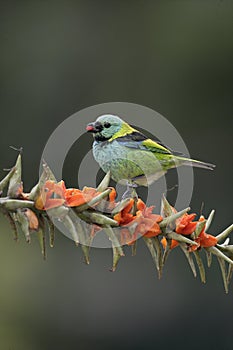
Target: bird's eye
(107,125)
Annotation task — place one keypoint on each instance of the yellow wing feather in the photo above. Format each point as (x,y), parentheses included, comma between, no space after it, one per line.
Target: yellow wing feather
(153,146)
(149,144)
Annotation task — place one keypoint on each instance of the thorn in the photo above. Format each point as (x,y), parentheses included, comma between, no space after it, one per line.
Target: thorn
(172,188)
(20,150)
(202,208)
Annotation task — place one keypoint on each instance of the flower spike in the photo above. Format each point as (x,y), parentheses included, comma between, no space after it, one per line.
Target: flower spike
(85,212)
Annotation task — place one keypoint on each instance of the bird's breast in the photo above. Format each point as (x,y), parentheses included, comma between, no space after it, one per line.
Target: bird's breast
(124,162)
(104,152)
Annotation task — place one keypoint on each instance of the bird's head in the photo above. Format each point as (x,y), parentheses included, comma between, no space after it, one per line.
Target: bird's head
(105,127)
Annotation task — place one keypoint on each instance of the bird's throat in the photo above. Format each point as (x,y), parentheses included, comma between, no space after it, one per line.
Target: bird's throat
(101,138)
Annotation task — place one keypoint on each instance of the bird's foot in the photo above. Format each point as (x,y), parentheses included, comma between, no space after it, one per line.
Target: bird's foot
(131,191)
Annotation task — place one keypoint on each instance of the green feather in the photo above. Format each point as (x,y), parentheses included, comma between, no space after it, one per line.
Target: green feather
(155,147)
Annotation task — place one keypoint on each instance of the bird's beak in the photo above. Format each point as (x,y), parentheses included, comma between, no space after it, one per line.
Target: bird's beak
(90,127)
(94,127)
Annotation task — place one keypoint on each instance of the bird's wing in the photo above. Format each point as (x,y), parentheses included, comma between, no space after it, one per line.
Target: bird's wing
(139,141)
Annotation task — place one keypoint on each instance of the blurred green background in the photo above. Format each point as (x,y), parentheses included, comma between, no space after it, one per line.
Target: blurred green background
(58,57)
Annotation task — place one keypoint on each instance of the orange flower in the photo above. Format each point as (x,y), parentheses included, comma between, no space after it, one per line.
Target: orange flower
(75,197)
(32,219)
(51,196)
(185,224)
(111,203)
(112,195)
(55,194)
(125,216)
(148,222)
(147,211)
(208,240)
(148,228)
(204,239)
(140,204)
(173,245)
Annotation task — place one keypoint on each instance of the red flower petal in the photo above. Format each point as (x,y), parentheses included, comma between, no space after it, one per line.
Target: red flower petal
(185,224)
(53,203)
(124,217)
(173,245)
(32,219)
(112,195)
(208,241)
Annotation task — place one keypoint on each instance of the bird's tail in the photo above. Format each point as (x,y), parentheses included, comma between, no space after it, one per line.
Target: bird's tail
(195,163)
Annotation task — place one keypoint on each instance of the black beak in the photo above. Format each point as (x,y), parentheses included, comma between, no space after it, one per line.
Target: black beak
(94,127)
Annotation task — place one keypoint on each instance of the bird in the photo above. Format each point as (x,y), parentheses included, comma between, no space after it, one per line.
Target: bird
(130,156)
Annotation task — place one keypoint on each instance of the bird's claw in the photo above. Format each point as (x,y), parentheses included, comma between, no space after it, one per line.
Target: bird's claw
(131,191)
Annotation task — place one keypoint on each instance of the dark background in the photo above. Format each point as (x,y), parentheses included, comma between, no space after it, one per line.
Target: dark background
(58,57)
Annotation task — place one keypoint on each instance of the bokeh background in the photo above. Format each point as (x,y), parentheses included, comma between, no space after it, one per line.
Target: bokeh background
(58,57)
